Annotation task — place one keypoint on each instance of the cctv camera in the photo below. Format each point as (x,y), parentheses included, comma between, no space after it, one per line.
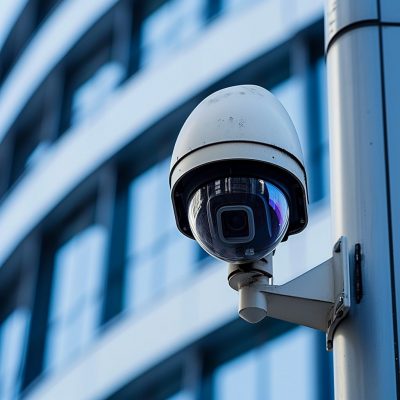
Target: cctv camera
(237,178)
(238,186)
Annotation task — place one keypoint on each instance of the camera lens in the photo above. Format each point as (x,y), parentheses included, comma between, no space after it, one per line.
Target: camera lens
(235,224)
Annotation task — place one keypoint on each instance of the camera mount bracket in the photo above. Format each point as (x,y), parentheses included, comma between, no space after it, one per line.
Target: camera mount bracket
(319,298)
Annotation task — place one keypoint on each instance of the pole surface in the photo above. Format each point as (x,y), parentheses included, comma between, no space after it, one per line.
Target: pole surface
(363,66)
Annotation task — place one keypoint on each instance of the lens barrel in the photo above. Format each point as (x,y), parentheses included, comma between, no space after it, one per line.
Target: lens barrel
(235,224)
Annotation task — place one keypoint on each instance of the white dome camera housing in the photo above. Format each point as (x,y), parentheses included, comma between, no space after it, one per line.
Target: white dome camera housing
(237,178)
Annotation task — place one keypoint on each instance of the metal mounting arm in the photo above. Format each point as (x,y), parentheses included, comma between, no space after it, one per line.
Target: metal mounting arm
(319,298)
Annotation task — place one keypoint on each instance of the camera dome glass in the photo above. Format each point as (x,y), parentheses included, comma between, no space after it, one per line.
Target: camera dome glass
(238,219)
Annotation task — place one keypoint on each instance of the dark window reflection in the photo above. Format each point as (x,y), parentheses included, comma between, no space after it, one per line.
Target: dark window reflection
(31,141)
(90,82)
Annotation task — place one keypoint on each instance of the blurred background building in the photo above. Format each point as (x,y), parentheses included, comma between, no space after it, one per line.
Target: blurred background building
(101,297)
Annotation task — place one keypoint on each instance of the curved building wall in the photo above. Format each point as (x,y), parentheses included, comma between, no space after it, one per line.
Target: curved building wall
(101,297)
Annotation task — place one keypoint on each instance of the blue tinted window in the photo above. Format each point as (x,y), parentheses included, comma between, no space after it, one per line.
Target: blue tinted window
(13,332)
(282,369)
(158,256)
(236,5)
(76,295)
(310,124)
(291,94)
(169,27)
(93,94)
(29,147)
(323,128)
(181,396)
(289,365)
(237,380)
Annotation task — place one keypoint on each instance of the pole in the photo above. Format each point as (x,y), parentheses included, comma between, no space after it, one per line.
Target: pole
(363,65)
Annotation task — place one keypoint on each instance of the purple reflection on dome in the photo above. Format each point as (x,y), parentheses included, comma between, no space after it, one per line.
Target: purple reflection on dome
(276,207)
(277,203)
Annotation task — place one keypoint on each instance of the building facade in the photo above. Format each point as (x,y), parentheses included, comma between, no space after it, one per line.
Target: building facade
(101,297)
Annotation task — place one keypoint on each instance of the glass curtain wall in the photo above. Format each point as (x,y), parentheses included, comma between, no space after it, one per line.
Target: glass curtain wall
(322,149)
(91,79)
(282,369)
(76,295)
(30,144)
(308,111)
(236,5)
(158,256)
(173,24)
(184,395)
(92,95)
(13,335)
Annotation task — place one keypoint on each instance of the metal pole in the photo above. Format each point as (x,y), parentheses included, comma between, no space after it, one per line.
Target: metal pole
(363,64)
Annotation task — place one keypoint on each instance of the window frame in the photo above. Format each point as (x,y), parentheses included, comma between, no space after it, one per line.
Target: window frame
(71,219)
